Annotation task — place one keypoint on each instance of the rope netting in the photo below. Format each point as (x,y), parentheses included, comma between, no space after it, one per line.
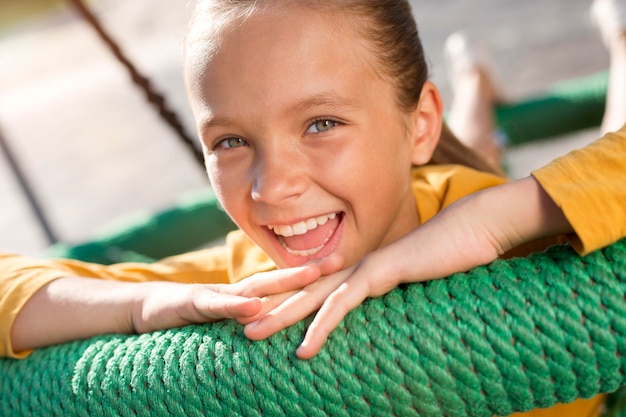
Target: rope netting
(510,336)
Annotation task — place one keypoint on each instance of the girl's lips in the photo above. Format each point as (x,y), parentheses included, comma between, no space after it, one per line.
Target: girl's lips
(317,242)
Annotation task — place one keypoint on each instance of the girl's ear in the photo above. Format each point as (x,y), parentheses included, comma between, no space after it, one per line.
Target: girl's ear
(426,124)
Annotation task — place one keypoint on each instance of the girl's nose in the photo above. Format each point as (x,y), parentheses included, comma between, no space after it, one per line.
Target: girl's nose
(278,177)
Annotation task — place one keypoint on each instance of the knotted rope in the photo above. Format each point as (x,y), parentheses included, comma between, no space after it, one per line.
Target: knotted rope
(156,99)
(510,336)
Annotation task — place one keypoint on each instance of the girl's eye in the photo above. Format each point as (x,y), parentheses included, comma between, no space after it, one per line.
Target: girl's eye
(230,143)
(322,125)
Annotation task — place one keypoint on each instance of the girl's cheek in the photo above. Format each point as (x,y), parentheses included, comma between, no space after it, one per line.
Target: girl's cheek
(210,166)
(229,188)
(217,183)
(218,173)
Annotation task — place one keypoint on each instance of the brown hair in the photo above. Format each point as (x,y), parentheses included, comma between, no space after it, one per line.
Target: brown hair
(390,27)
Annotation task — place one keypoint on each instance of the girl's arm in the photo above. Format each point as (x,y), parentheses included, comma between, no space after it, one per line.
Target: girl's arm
(76,308)
(73,308)
(471,232)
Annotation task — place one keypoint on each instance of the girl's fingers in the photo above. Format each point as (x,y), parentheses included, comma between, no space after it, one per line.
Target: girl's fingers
(296,308)
(211,305)
(345,298)
(268,304)
(285,280)
(275,282)
(326,266)
(365,281)
(276,287)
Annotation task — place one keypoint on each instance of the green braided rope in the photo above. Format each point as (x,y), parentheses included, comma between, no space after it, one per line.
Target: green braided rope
(195,220)
(511,336)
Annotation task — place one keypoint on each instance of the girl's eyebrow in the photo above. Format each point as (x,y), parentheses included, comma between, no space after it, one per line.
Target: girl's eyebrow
(325,100)
(210,122)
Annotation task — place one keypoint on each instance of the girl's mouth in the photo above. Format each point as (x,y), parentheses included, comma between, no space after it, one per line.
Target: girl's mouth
(309,237)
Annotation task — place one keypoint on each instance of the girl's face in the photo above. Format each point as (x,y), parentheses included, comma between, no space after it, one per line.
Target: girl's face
(305,145)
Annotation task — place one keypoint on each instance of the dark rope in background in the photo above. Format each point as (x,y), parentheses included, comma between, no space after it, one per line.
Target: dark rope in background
(27,190)
(158,100)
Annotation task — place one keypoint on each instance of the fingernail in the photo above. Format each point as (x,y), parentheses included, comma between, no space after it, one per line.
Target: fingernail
(252,325)
(301,351)
(300,348)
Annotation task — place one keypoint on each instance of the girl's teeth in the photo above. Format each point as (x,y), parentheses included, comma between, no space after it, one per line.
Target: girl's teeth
(309,252)
(301,228)
(284,230)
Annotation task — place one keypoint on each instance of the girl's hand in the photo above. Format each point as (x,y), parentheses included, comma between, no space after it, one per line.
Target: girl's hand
(166,305)
(336,294)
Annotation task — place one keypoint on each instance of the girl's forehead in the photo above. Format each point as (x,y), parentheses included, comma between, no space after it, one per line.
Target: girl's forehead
(212,28)
(273,28)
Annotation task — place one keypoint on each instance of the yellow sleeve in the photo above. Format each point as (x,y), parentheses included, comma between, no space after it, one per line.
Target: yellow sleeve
(589,185)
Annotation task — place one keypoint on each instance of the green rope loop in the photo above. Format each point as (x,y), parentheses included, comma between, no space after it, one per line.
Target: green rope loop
(510,336)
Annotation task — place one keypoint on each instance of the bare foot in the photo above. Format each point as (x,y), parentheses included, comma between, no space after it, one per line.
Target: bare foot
(475,92)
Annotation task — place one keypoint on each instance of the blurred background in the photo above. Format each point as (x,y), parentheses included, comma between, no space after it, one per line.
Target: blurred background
(93,150)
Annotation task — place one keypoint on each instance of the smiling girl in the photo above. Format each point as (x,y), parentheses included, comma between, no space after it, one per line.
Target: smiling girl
(324,142)
(318,125)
